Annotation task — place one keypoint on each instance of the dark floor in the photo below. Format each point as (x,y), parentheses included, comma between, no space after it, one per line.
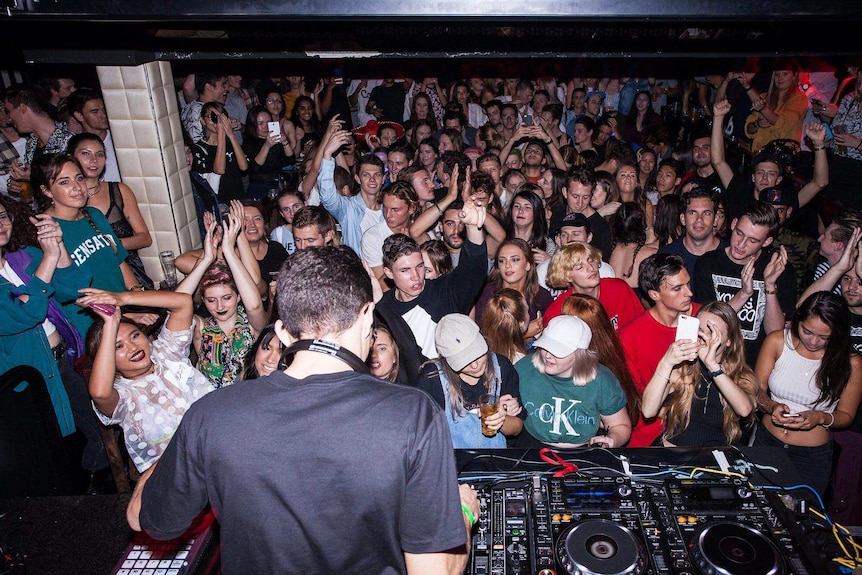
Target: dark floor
(74,535)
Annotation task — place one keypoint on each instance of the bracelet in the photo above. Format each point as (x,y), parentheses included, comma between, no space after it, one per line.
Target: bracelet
(819,148)
(137,287)
(747,88)
(859,145)
(436,205)
(470,517)
(832,415)
(771,291)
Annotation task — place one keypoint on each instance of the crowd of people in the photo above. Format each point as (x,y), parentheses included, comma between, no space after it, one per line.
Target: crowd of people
(537,240)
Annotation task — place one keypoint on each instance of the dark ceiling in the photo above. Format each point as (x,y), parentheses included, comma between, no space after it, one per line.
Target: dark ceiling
(487,37)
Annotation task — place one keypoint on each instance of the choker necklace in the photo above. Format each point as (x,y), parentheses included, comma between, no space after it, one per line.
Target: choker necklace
(90,194)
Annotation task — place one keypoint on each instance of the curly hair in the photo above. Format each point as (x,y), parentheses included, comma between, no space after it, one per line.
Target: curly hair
(23,231)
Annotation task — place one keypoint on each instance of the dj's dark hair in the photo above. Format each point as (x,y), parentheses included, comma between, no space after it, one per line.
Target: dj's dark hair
(321,290)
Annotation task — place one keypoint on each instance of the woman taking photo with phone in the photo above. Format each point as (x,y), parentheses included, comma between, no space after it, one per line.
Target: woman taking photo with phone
(268,151)
(703,387)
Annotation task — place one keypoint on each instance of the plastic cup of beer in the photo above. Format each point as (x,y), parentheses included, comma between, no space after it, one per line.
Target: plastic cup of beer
(487,407)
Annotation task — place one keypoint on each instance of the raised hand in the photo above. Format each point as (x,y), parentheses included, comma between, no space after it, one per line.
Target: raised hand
(816,132)
(680,351)
(850,254)
(472,215)
(775,267)
(747,276)
(49,234)
(708,353)
(721,109)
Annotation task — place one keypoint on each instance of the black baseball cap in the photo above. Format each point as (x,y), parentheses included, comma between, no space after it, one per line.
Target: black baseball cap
(573,220)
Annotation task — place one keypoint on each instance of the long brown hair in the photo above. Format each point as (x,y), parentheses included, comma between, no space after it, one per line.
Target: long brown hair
(685,376)
(606,345)
(501,323)
(456,398)
(531,280)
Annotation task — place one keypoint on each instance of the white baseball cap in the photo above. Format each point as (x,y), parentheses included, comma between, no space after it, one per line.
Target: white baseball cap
(564,335)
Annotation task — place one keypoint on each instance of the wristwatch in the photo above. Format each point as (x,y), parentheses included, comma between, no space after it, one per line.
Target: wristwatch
(716,373)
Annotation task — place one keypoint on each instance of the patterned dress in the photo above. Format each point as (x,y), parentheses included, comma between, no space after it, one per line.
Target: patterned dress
(222,354)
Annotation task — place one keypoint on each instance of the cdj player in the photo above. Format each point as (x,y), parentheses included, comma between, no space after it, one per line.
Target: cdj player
(600,521)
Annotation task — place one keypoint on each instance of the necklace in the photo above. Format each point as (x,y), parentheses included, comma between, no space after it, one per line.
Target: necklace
(90,193)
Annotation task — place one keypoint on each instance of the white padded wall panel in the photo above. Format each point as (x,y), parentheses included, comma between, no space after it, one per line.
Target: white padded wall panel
(145,126)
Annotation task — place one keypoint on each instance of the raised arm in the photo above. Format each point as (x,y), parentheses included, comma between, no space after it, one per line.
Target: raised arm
(311,178)
(220,157)
(178,304)
(773,318)
(245,285)
(658,388)
(849,257)
(426,220)
(542,134)
(520,134)
(817,134)
(725,172)
(204,258)
(333,139)
(101,382)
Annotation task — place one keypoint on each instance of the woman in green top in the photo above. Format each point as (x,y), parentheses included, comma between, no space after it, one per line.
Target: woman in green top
(59,186)
(567,394)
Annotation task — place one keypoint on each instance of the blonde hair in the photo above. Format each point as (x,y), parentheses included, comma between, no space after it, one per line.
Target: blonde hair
(586,366)
(567,257)
(685,376)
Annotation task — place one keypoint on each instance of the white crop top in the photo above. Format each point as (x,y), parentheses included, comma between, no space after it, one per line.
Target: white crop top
(793,380)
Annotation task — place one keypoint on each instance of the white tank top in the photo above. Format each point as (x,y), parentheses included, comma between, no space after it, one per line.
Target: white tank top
(793,380)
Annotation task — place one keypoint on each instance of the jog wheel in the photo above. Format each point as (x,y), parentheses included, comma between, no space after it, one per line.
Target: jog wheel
(727,548)
(600,547)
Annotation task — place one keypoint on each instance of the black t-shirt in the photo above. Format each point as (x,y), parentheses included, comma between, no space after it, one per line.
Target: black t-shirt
(677,248)
(713,182)
(272,165)
(706,418)
(429,382)
(337,473)
(391,101)
(455,292)
(271,262)
(716,277)
(740,193)
(230,184)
